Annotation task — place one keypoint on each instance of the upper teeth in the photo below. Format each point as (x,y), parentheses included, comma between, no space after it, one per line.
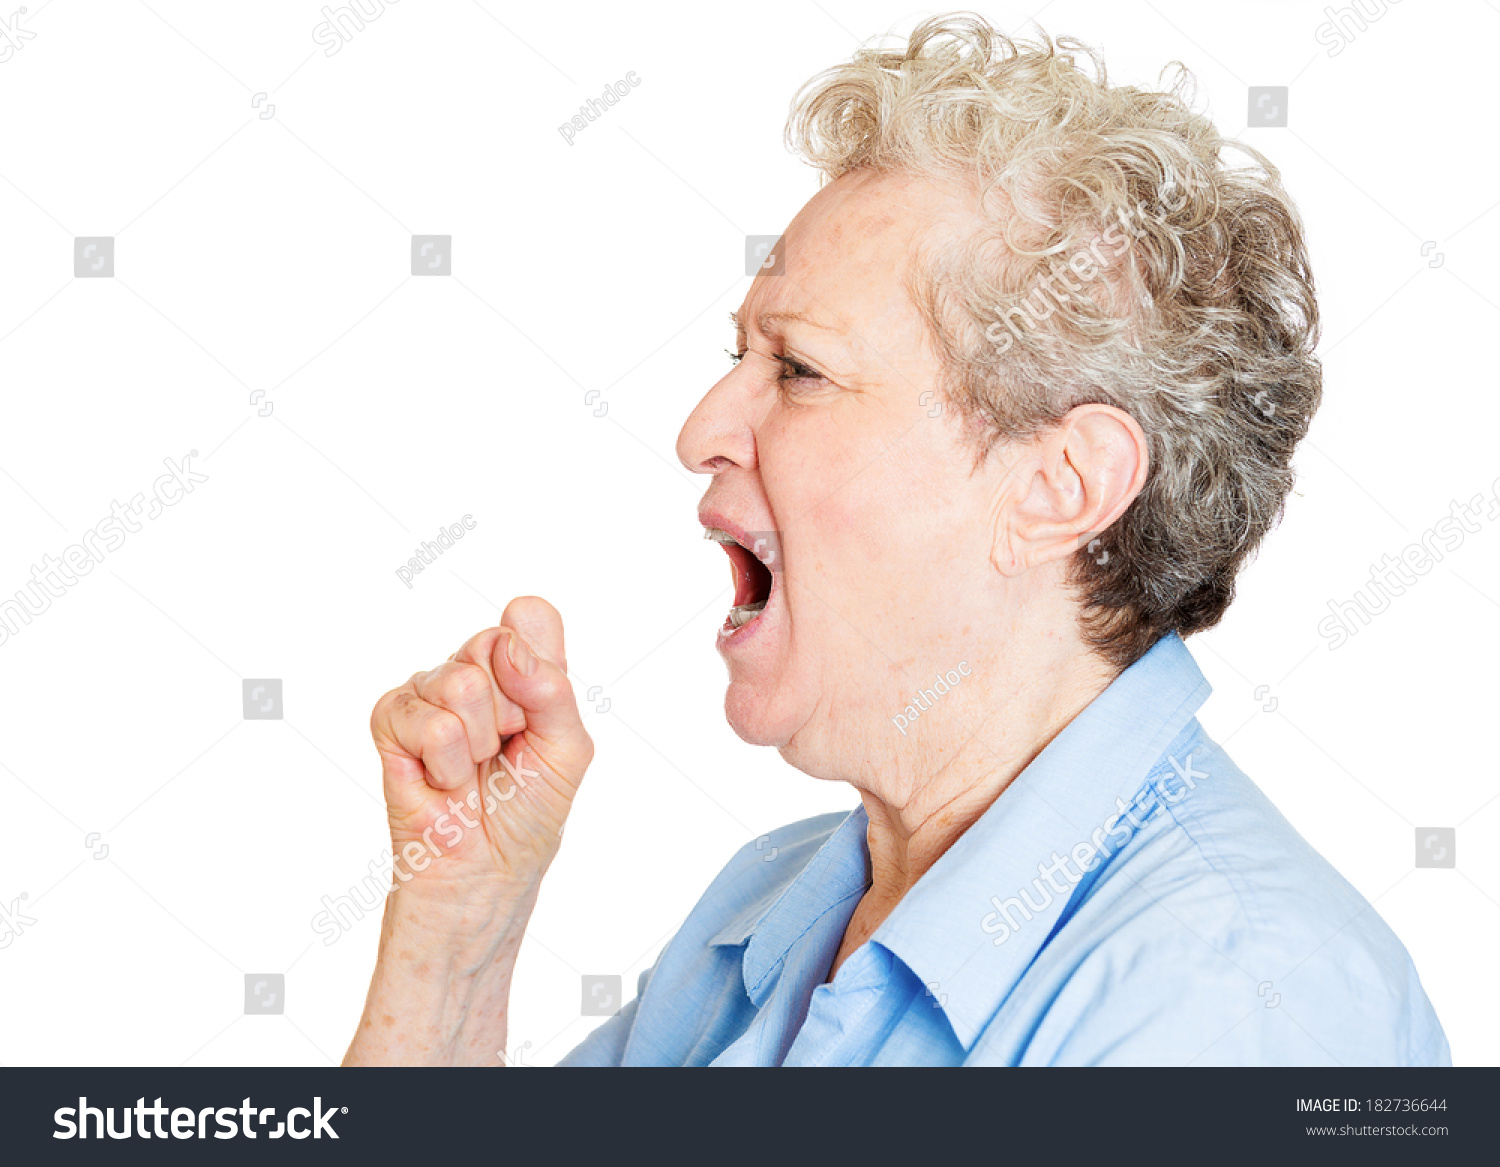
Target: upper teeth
(718,536)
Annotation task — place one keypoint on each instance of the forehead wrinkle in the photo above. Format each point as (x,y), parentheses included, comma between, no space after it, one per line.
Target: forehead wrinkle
(767,321)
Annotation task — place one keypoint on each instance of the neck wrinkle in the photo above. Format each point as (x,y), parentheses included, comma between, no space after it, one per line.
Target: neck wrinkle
(910,830)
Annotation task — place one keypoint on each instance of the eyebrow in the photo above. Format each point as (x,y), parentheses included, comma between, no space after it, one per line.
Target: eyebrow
(765,321)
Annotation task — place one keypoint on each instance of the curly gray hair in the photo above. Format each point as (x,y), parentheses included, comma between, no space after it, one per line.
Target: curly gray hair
(1198,319)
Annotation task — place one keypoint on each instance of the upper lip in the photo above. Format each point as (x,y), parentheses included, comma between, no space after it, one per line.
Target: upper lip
(713,518)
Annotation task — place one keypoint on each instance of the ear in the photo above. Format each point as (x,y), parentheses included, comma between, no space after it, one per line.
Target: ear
(1067,486)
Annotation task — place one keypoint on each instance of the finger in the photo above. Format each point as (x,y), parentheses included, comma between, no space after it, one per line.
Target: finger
(479,650)
(399,767)
(543,691)
(541,624)
(427,733)
(468,691)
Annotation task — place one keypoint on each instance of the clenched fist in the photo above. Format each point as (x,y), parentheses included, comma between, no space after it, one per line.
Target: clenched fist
(481,759)
(482,756)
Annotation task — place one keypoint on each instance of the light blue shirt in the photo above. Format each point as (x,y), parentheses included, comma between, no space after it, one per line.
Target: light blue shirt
(1131,899)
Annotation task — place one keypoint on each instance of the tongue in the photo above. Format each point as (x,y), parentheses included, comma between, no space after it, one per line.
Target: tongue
(742,614)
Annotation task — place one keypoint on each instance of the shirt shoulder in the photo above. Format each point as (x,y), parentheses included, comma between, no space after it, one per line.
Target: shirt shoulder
(1218,935)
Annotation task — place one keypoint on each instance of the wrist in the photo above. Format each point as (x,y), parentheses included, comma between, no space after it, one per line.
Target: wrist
(456,926)
(441,988)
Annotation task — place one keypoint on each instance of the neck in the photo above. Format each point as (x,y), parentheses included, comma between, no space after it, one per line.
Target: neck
(1015,717)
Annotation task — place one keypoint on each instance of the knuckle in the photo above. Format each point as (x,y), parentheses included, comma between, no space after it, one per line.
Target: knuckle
(406,705)
(444,731)
(478,646)
(549,689)
(385,709)
(466,685)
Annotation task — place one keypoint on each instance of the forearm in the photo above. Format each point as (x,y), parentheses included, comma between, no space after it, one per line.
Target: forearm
(441,988)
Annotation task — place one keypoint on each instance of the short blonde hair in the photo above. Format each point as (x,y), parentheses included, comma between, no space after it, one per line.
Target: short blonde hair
(1201,325)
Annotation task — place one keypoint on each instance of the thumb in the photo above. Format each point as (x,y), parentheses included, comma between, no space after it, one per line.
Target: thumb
(541,624)
(554,728)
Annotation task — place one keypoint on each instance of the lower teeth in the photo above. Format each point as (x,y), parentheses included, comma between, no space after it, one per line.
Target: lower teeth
(744,613)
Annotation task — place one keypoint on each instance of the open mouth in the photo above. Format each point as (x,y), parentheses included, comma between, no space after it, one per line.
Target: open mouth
(752,580)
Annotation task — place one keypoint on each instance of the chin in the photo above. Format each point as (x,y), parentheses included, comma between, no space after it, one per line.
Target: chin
(757,720)
(753,716)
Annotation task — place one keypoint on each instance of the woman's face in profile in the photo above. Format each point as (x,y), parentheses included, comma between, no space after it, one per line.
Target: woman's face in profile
(823,433)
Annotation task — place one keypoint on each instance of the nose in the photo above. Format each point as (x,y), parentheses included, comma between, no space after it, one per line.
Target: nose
(720,431)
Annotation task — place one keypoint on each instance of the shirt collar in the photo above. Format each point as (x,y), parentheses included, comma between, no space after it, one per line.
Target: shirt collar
(1070,789)
(773,923)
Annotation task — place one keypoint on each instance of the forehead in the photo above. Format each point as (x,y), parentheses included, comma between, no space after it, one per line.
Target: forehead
(848,253)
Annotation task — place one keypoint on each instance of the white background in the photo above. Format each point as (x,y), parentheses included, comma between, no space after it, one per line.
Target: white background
(272,254)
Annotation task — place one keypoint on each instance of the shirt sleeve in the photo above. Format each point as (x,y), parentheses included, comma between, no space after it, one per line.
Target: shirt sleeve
(605,1046)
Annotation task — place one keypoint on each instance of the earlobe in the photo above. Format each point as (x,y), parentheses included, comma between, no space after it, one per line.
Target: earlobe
(1004,557)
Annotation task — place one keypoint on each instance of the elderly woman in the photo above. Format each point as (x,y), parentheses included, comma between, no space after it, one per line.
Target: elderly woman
(1008,411)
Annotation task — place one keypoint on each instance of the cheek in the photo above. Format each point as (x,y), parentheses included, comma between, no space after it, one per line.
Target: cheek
(854,572)
(825,464)
(855,504)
